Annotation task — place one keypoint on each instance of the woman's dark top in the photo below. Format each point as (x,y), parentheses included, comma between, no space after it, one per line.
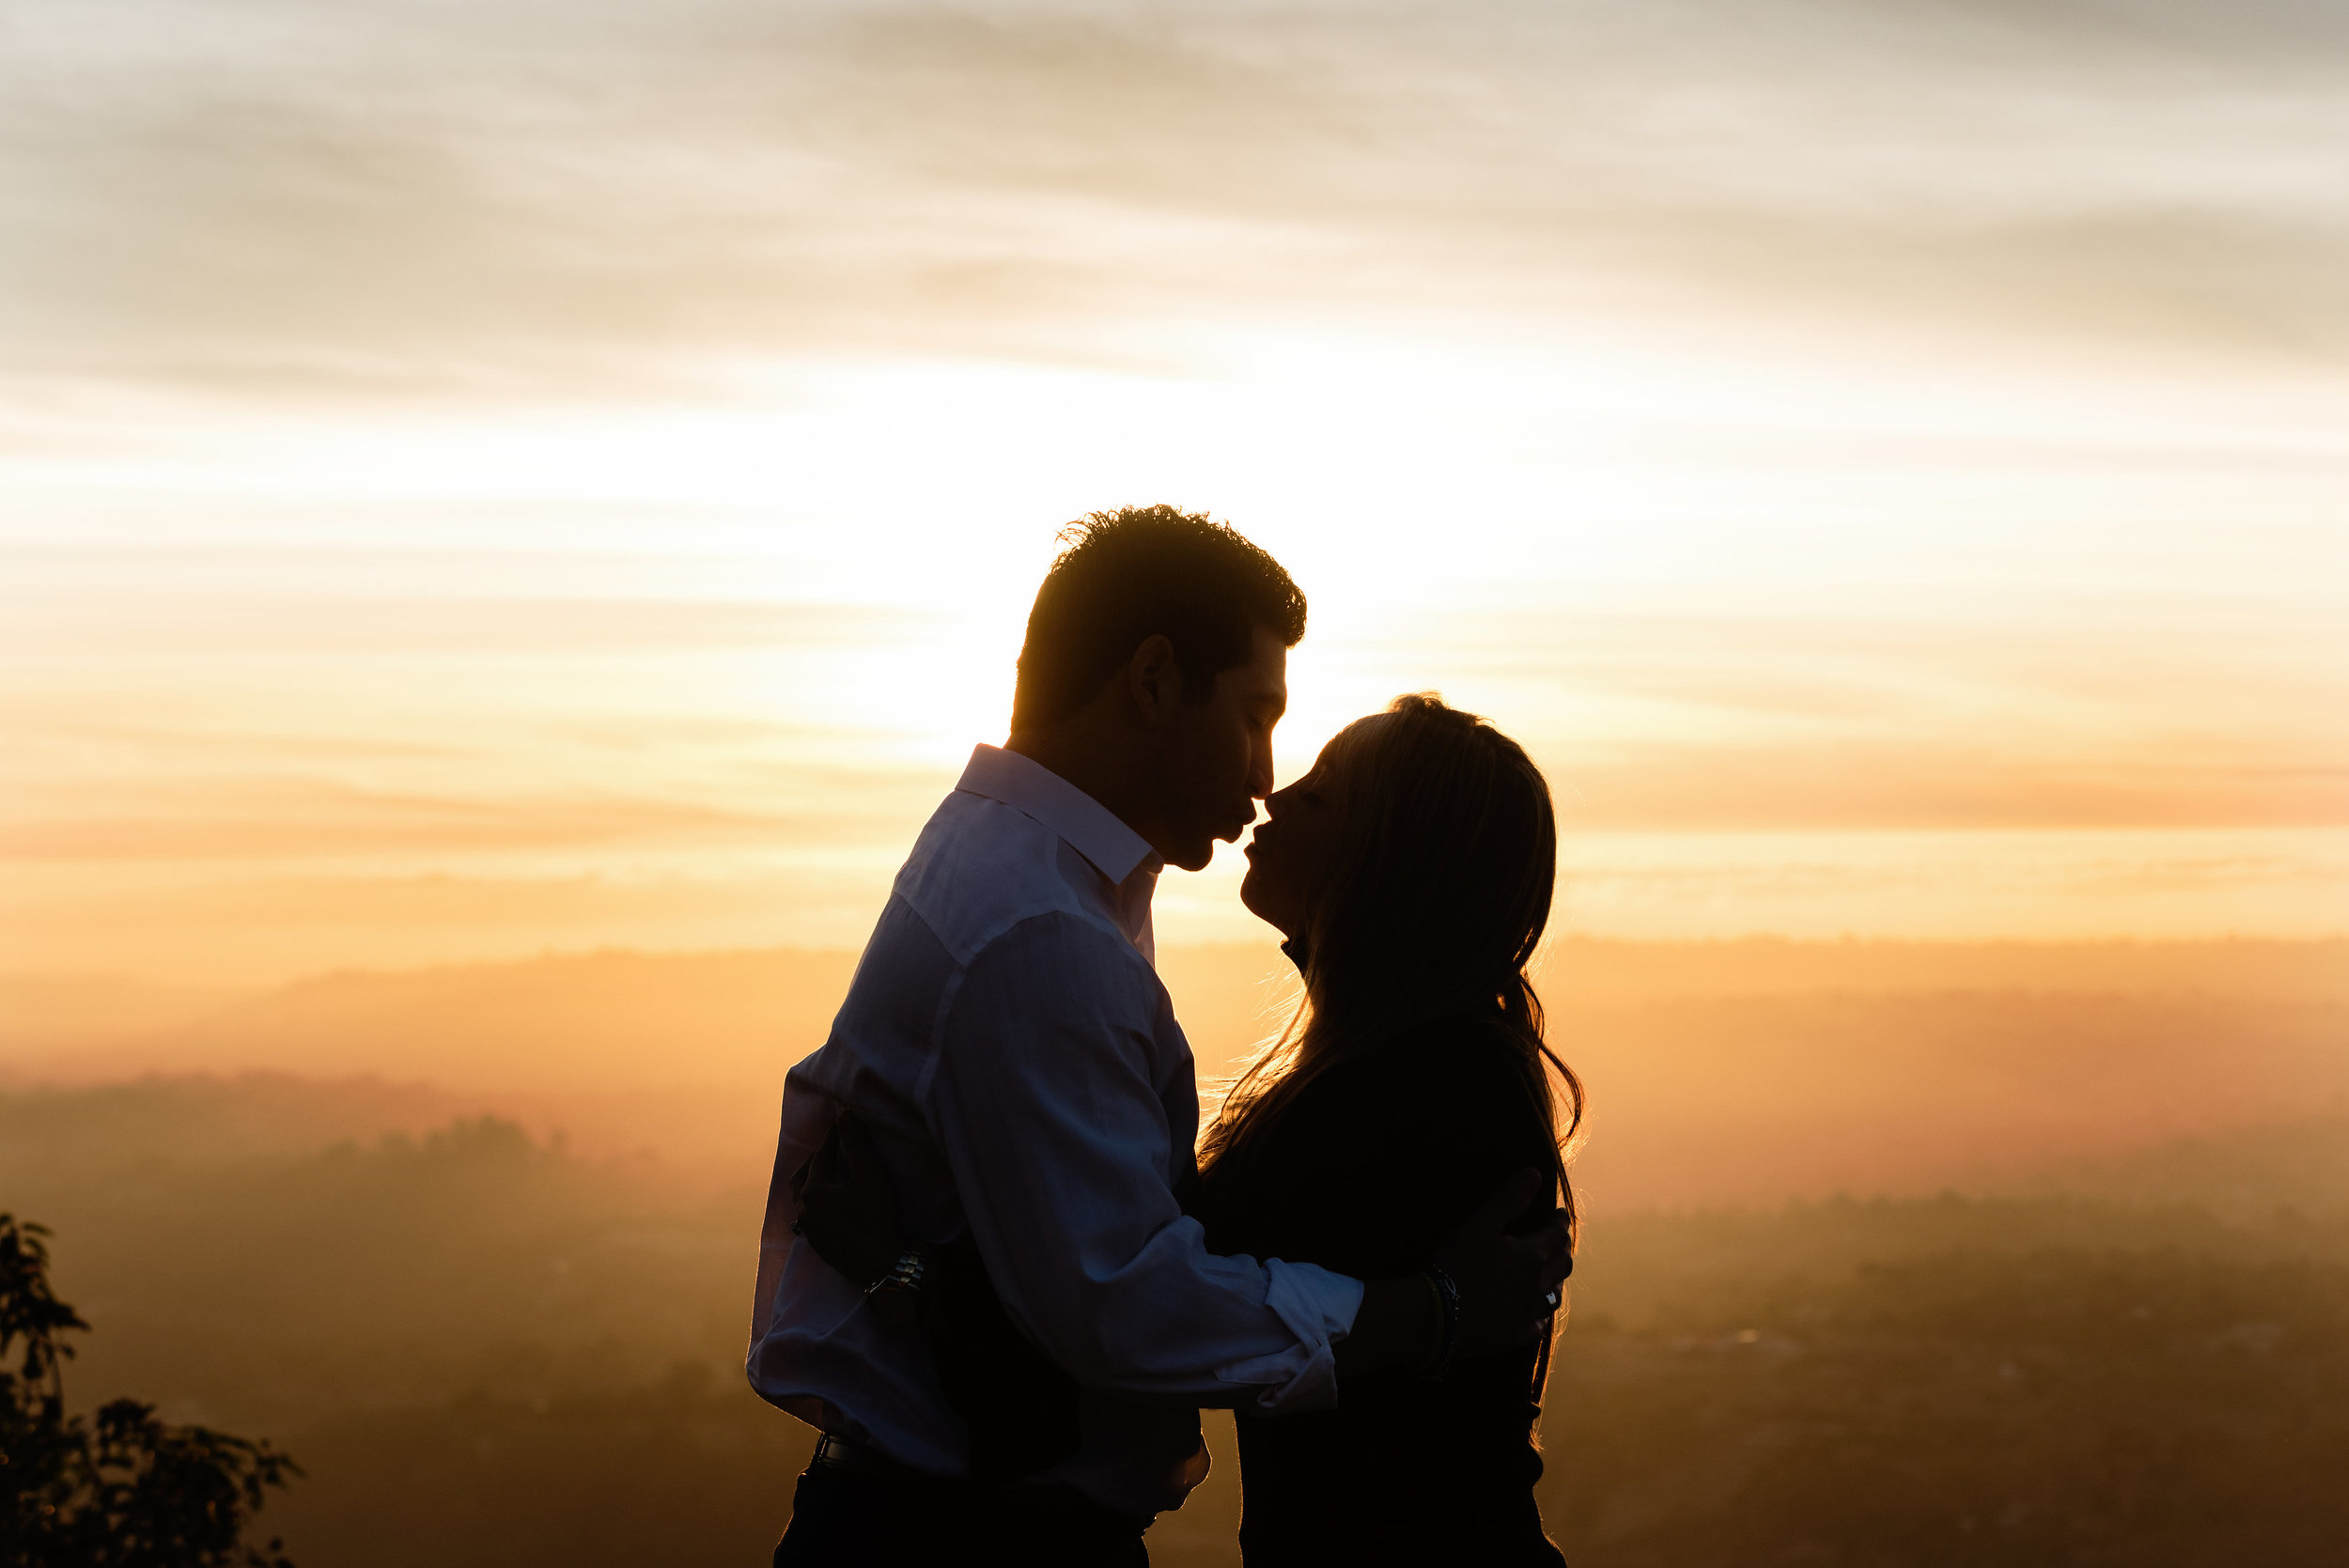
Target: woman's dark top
(1373,1166)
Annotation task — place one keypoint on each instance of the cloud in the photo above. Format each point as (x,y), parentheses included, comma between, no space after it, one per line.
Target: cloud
(524,197)
(1760,721)
(294,819)
(415,627)
(1863,786)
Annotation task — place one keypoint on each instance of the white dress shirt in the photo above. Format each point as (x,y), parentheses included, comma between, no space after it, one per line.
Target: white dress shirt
(1008,1041)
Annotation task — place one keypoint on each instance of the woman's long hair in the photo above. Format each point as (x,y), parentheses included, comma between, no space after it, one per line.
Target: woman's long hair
(1440,893)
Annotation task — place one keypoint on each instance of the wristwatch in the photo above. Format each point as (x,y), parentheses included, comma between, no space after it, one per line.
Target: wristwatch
(897,1297)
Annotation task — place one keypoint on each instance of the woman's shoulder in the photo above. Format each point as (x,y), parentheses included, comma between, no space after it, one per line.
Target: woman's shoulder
(1477,1057)
(1478,1075)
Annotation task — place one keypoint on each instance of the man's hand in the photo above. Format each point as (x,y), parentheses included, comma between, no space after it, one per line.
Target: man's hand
(1508,1284)
(847,1204)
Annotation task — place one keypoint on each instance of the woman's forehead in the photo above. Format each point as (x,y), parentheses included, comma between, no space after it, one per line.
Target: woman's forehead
(1340,748)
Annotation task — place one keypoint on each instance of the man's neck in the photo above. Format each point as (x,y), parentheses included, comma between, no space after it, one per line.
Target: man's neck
(1100,767)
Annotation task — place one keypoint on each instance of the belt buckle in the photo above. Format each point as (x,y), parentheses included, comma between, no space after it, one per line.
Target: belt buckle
(836,1452)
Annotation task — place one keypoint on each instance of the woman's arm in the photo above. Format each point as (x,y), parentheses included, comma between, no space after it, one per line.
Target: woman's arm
(1501,1287)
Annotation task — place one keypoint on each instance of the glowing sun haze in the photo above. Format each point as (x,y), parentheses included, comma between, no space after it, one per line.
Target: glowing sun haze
(479,478)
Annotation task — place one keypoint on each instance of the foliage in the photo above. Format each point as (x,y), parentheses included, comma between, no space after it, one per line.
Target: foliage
(118,1489)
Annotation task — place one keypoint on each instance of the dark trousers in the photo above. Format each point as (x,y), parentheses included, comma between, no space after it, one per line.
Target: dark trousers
(877,1519)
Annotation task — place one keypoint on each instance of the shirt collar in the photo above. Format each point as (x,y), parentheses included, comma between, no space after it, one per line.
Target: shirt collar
(1090,827)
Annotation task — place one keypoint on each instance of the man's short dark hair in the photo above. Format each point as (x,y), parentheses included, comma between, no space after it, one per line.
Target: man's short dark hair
(1137,572)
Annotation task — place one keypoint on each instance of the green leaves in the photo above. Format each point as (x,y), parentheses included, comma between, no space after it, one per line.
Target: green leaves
(120,1489)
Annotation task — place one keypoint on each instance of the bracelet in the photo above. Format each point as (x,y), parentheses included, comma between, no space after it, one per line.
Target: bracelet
(1447,1296)
(897,1296)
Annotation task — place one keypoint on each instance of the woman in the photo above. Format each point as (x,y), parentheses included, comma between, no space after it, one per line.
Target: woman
(1412,872)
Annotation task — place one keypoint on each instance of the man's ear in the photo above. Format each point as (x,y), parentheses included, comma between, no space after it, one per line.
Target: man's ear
(1154,681)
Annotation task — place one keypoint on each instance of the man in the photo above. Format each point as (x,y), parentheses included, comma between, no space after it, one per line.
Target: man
(1010,1045)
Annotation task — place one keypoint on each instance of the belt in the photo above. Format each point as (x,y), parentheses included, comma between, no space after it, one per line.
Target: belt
(847,1456)
(835,1452)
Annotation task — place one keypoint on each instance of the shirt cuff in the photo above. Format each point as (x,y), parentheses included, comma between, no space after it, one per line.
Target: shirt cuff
(1319,1308)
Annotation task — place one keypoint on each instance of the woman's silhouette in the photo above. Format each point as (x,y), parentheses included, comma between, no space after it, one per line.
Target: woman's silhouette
(1411,871)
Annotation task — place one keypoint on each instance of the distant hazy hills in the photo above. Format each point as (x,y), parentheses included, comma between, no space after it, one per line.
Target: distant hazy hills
(286,1214)
(1719,1072)
(599,1020)
(616,1017)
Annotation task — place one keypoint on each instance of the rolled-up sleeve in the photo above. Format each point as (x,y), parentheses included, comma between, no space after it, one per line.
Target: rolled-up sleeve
(1046,1109)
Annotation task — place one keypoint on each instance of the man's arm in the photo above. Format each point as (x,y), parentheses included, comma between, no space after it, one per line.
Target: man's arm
(849,1215)
(1044,1105)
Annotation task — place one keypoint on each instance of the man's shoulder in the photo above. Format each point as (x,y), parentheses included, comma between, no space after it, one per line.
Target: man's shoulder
(982,870)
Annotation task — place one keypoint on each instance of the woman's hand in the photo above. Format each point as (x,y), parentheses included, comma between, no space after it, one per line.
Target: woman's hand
(848,1205)
(1508,1284)
(1507,1288)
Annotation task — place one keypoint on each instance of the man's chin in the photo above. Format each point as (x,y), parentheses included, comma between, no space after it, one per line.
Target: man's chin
(1194,854)
(1190,858)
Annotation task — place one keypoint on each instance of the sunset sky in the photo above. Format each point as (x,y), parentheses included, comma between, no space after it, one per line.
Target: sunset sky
(479,479)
